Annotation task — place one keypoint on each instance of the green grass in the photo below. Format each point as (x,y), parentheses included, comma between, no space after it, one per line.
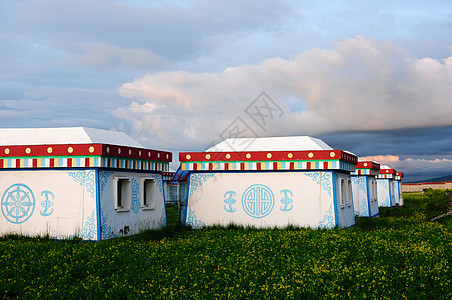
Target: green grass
(391,257)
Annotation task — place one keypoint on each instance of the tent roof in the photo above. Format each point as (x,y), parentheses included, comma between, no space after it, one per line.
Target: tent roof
(288,143)
(64,135)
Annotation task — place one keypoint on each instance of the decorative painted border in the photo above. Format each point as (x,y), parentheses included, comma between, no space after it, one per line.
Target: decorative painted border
(368,165)
(86,178)
(268,166)
(368,172)
(192,219)
(196,181)
(268,156)
(167,175)
(82,162)
(85,150)
(384,200)
(385,176)
(323,178)
(328,219)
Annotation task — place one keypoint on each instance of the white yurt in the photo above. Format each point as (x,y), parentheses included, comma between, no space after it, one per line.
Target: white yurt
(268,182)
(385,186)
(91,183)
(398,188)
(364,186)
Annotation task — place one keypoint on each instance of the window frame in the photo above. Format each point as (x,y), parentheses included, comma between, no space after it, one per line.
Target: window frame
(144,193)
(122,193)
(342,192)
(173,187)
(349,193)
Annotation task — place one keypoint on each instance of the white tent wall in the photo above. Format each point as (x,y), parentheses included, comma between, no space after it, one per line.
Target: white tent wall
(364,201)
(58,203)
(398,192)
(385,191)
(344,200)
(305,199)
(134,216)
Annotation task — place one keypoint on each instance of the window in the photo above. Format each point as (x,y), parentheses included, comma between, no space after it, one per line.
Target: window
(350,193)
(374,191)
(122,193)
(342,192)
(148,193)
(173,193)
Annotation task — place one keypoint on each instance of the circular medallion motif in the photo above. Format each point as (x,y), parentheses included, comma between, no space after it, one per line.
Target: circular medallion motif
(258,201)
(18,203)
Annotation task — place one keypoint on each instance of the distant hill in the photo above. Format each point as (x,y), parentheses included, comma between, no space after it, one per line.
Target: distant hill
(438,179)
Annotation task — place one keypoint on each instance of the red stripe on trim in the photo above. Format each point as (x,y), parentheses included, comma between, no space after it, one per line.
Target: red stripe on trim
(258,166)
(69,162)
(308,165)
(325,165)
(226,166)
(35,163)
(51,162)
(1,163)
(87,162)
(195,167)
(242,166)
(292,165)
(275,166)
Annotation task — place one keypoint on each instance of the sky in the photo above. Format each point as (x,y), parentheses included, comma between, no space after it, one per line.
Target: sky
(370,77)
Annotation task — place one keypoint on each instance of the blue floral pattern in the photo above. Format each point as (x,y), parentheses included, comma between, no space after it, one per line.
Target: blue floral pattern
(363,183)
(158,180)
(196,181)
(104,176)
(386,201)
(85,178)
(364,208)
(192,219)
(135,202)
(323,178)
(106,231)
(89,230)
(328,219)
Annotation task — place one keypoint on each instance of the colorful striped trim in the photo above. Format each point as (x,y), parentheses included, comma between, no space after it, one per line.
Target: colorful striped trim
(385,176)
(81,162)
(270,156)
(368,165)
(167,175)
(268,166)
(368,172)
(387,171)
(85,150)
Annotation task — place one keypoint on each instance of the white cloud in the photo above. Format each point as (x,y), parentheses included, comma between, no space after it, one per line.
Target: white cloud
(417,168)
(361,84)
(382,159)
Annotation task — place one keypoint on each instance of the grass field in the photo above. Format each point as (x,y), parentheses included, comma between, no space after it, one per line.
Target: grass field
(399,255)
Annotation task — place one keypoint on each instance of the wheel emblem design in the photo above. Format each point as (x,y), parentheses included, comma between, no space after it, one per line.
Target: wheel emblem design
(258,201)
(18,203)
